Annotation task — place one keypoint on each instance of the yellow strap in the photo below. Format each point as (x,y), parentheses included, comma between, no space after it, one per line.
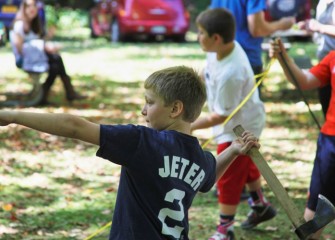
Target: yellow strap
(262,75)
(98,231)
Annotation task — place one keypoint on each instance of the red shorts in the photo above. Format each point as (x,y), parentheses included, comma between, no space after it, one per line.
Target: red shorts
(241,171)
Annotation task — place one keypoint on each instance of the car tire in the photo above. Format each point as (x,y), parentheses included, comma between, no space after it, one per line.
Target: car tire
(92,33)
(179,38)
(2,41)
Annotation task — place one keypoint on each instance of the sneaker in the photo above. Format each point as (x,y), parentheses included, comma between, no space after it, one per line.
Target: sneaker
(257,215)
(223,233)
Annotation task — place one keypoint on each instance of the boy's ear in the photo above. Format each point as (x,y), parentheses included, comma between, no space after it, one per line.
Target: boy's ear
(217,37)
(177,108)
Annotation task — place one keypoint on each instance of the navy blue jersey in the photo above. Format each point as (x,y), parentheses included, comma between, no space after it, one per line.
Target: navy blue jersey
(160,175)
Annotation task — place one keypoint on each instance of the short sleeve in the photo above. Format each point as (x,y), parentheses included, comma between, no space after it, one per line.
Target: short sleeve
(18,28)
(211,171)
(323,70)
(215,4)
(118,143)
(255,6)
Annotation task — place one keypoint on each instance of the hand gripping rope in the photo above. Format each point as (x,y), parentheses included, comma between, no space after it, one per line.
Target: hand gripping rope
(280,55)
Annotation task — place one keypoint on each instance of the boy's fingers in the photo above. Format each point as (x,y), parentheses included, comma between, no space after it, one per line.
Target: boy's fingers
(250,140)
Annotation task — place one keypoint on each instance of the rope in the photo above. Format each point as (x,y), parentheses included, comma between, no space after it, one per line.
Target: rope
(261,76)
(299,89)
(98,231)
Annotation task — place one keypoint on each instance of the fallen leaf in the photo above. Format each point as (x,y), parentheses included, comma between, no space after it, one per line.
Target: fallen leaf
(7,207)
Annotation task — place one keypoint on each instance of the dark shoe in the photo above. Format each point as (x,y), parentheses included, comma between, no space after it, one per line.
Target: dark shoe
(75,96)
(223,233)
(257,215)
(44,103)
(71,94)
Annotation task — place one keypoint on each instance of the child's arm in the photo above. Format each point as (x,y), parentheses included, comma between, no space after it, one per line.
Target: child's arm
(258,26)
(65,125)
(238,147)
(305,79)
(205,122)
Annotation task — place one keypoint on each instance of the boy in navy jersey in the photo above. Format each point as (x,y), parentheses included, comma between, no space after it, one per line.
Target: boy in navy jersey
(163,166)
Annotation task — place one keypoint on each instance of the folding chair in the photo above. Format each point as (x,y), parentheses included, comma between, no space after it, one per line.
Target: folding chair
(32,98)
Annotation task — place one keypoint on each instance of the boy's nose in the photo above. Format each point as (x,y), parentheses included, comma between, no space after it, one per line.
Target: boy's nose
(144,111)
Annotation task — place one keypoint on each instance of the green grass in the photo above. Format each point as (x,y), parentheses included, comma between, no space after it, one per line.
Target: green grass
(55,188)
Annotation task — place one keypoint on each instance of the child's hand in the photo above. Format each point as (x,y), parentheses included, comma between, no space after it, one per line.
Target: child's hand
(302,25)
(287,22)
(243,144)
(313,25)
(276,47)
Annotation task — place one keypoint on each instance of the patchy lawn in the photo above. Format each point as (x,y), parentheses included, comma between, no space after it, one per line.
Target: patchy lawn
(55,188)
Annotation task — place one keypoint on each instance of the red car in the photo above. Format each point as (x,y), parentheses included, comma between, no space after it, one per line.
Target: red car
(120,19)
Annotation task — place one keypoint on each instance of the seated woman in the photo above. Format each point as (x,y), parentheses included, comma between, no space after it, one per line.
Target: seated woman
(26,31)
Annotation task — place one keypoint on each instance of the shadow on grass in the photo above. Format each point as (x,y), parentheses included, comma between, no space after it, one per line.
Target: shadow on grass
(57,214)
(203,222)
(61,224)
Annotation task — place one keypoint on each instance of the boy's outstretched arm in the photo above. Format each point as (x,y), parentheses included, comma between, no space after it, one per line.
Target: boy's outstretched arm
(305,79)
(64,125)
(238,147)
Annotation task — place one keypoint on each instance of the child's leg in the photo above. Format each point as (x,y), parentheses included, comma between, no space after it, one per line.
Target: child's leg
(254,185)
(229,189)
(261,208)
(322,179)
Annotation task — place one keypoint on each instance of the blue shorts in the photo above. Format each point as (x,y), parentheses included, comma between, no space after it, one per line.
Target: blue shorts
(323,175)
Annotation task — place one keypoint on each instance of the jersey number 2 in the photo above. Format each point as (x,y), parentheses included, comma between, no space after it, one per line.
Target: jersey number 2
(177,215)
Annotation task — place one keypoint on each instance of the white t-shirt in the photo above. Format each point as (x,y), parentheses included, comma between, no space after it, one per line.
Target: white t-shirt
(18,28)
(228,82)
(325,14)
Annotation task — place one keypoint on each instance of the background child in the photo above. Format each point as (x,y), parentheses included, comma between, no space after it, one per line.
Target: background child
(26,28)
(322,180)
(229,78)
(252,27)
(323,27)
(163,166)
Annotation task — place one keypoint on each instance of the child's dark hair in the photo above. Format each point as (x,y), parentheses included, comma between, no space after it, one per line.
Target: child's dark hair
(218,21)
(179,83)
(36,24)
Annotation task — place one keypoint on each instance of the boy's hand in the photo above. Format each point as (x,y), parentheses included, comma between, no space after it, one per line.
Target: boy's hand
(310,25)
(276,47)
(243,144)
(302,25)
(287,22)
(313,25)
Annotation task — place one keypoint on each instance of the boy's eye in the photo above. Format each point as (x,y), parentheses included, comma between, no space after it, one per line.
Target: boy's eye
(149,101)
